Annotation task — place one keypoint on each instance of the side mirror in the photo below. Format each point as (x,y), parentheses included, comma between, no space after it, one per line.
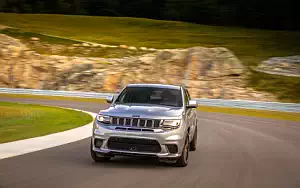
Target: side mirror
(110,99)
(192,104)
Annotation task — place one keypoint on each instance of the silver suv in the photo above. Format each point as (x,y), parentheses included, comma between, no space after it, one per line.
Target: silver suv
(150,120)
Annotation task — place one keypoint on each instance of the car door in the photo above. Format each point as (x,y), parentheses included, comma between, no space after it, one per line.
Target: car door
(190,115)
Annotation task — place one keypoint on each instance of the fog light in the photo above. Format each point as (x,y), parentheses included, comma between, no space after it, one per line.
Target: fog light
(172,148)
(98,143)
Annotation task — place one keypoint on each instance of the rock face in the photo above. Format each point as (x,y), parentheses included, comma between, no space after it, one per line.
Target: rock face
(206,72)
(286,66)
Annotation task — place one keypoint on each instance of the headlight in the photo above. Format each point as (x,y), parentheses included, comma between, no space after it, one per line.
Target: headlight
(171,124)
(104,119)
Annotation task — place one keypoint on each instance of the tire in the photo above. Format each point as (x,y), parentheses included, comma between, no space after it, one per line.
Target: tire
(182,161)
(96,158)
(193,145)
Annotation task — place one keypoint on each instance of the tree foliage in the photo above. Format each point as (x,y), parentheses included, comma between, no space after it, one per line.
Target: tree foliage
(269,14)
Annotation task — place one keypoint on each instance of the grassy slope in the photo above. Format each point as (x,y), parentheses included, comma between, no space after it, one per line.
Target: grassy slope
(236,111)
(21,121)
(255,113)
(65,46)
(287,89)
(26,35)
(250,45)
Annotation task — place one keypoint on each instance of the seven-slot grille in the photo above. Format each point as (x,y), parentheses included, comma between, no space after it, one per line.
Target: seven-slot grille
(136,122)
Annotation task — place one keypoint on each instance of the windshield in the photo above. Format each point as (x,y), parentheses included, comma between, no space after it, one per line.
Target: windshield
(151,95)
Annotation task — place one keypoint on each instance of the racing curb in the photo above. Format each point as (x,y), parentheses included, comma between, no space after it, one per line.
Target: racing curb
(21,147)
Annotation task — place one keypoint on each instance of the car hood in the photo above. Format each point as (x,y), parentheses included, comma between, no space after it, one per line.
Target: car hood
(143,111)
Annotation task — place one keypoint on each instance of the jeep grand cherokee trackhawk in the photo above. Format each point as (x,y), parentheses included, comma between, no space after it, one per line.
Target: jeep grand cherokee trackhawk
(147,120)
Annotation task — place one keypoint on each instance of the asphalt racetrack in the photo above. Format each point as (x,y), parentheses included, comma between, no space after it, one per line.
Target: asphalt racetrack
(233,152)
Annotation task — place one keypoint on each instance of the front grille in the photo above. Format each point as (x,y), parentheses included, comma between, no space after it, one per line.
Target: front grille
(128,122)
(133,145)
(149,124)
(115,120)
(121,121)
(142,123)
(136,122)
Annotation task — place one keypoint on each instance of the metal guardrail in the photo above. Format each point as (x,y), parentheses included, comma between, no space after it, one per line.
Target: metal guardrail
(56,93)
(274,106)
(258,105)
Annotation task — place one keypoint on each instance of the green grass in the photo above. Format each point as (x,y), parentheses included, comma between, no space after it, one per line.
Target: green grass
(26,35)
(250,45)
(50,45)
(287,89)
(290,116)
(76,99)
(21,121)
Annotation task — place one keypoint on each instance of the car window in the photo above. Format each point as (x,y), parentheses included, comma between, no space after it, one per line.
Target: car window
(151,95)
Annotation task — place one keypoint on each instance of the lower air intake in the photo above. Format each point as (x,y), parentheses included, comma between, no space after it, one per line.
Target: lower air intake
(133,145)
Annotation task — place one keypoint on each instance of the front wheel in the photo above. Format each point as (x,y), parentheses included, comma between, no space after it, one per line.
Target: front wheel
(193,146)
(183,159)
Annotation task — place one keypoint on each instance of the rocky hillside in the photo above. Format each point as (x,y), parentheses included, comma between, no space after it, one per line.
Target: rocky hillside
(207,72)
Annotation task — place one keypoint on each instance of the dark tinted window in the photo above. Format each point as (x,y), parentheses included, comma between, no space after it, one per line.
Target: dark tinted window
(151,95)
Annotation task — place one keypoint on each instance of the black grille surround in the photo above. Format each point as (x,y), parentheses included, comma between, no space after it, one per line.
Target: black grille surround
(133,145)
(136,122)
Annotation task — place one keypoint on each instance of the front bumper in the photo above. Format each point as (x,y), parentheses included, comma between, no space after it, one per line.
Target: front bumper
(164,138)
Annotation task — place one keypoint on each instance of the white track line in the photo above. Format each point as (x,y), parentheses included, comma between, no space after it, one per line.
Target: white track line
(21,147)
